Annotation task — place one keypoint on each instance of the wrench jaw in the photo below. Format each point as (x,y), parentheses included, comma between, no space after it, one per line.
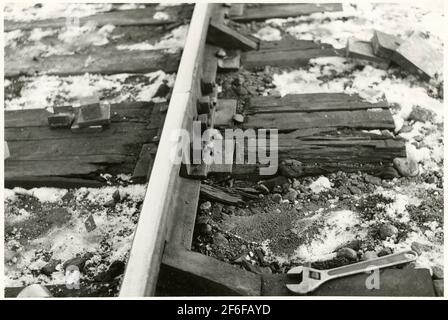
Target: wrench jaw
(308,283)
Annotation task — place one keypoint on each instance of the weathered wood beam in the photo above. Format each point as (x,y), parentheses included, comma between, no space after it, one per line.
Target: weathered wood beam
(363,50)
(182,222)
(143,167)
(187,273)
(384,45)
(102,62)
(118,18)
(222,35)
(280,58)
(220,195)
(358,119)
(311,102)
(271,11)
(29,182)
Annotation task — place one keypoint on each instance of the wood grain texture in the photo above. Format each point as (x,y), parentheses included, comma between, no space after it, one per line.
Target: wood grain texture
(102,62)
(279,58)
(118,18)
(360,119)
(182,222)
(38,151)
(384,45)
(187,273)
(311,102)
(222,35)
(271,11)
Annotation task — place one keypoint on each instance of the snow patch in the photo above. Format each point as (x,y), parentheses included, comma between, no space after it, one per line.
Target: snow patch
(11,38)
(321,184)
(38,33)
(48,91)
(268,34)
(22,11)
(51,195)
(161,16)
(172,42)
(338,230)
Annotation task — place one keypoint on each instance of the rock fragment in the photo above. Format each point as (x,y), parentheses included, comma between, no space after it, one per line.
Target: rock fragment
(406,167)
(347,253)
(387,230)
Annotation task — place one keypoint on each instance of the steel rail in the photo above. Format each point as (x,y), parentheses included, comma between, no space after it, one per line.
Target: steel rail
(145,257)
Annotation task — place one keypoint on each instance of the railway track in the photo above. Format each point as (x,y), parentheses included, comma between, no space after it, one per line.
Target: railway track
(318,134)
(162,261)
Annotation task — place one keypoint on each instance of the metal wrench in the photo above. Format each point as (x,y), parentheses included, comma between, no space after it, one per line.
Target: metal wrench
(311,278)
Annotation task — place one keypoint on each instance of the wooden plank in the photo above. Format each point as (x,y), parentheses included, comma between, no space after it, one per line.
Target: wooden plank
(222,35)
(120,112)
(143,265)
(137,132)
(311,102)
(339,151)
(384,45)
(358,119)
(131,17)
(142,170)
(220,195)
(102,61)
(280,58)
(180,230)
(289,43)
(78,147)
(29,182)
(264,11)
(65,167)
(418,56)
(37,150)
(187,273)
(393,283)
(363,50)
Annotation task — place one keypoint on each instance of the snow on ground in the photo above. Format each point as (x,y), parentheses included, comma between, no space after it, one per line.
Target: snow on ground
(171,42)
(48,91)
(109,242)
(73,38)
(268,34)
(361,19)
(338,230)
(21,11)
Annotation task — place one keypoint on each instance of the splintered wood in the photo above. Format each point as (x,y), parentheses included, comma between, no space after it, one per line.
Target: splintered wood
(363,50)
(328,132)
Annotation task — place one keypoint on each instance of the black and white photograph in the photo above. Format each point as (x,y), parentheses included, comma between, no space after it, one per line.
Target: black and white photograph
(207,150)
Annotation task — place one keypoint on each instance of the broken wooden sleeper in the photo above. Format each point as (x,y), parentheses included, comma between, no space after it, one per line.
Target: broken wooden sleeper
(359,49)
